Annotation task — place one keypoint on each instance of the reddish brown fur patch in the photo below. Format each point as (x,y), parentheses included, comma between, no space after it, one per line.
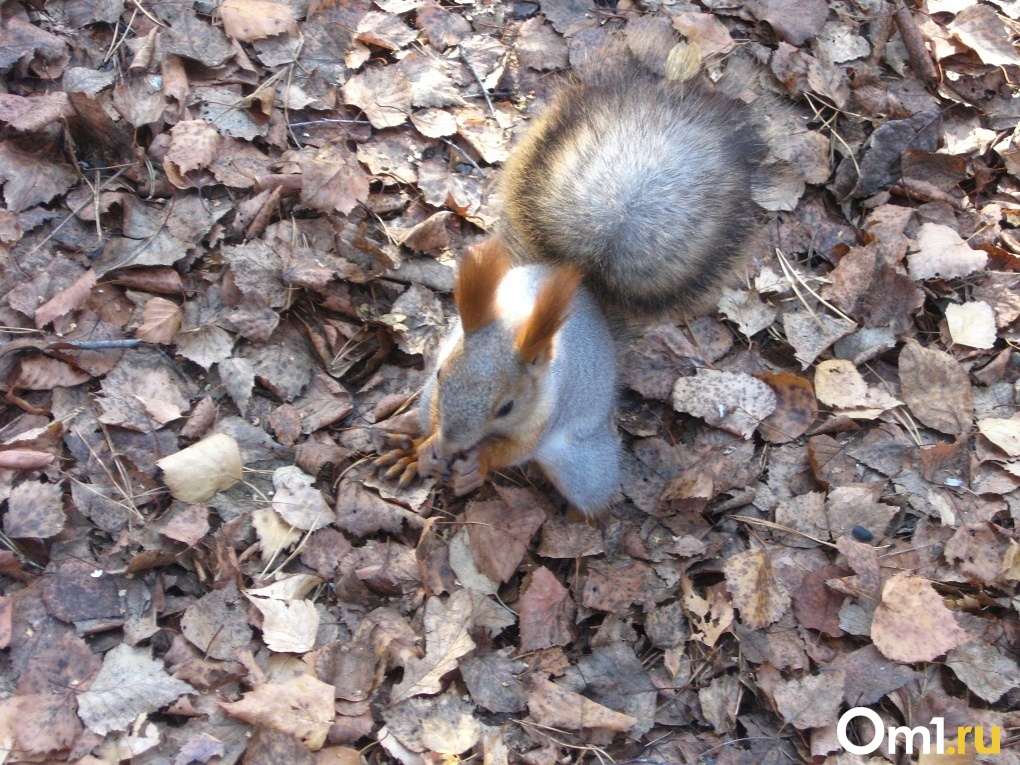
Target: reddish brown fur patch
(478,277)
(552,307)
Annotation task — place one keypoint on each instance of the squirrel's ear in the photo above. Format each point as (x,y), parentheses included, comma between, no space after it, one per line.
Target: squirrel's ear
(552,307)
(478,278)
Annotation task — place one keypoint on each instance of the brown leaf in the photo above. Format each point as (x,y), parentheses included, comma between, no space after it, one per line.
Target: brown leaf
(816,605)
(615,587)
(539,47)
(812,701)
(193,147)
(552,705)
(447,638)
(986,669)
(546,613)
(500,532)
(737,403)
(31,178)
(912,624)
(563,538)
(936,389)
(300,707)
(34,113)
(981,29)
(383,93)
(795,21)
(385,30)
(332,181)
(248,20)
(161,319)
(35,509)
(796,407)
(757,593)
(217,623)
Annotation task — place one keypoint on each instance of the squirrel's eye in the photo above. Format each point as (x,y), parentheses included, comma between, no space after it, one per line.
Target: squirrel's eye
(505,409)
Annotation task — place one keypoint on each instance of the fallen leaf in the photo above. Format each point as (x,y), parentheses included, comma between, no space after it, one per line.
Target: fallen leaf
(1003,433)
(248,20)
(130,683)
(758,595)
(198,472)
(736,403)
(546,613)
(936,389)
(301,707)
(971,324)
(912,624)
(447,638)
(551,705)
(942,253)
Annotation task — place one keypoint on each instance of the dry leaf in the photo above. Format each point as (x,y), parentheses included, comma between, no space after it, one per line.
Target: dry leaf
(161,319)
(301,707)
(941,253)
(129,683)
(912,624)
(971,324)
(757,594)
(936,389)
(1003,433)
(248,20)
(734,402)
(447,638)
(198,472)
(552,705)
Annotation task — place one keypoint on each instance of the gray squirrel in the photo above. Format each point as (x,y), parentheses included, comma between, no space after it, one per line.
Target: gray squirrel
(629,197)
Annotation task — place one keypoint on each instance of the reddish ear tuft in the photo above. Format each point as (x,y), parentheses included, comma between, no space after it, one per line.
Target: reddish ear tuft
(552,307)
(478,278)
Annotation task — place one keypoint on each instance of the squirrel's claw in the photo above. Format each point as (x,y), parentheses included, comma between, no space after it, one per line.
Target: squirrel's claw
(400,463)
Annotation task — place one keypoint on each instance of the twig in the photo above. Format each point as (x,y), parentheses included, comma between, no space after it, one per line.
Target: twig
(920,59)
(485,92)
(462,153)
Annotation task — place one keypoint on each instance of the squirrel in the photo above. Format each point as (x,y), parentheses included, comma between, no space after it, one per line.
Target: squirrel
(628,197)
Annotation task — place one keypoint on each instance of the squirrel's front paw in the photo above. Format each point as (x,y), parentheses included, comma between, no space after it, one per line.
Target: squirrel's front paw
(469,472)
(402,461)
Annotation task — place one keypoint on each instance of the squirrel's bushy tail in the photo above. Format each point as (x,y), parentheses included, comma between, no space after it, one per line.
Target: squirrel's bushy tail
(643,182)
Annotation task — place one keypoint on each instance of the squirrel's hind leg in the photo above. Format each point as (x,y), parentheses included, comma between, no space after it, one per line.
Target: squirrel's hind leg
(585,468)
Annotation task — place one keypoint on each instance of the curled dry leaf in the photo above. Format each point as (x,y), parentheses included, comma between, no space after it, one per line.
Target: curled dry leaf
(193,147)
(1003,433)
(196,473)
(24,459)
(447,638)
(971,324)
(912,623)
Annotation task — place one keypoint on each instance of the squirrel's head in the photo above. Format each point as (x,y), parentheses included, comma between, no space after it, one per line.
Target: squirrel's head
(493,384)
